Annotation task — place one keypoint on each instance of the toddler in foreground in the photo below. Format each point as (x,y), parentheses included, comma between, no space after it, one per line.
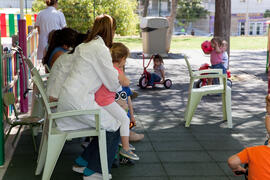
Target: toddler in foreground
(106,99)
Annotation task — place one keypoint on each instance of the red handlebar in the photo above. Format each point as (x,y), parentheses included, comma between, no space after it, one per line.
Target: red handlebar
(148,61)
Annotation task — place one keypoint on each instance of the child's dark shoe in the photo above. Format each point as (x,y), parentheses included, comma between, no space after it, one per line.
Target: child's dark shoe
(126,162)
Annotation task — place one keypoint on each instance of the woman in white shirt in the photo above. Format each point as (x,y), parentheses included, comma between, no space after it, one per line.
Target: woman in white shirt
(61,69)
(47,20)
(93,68)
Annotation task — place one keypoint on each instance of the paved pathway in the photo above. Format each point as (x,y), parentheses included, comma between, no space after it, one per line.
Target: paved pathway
(169,150)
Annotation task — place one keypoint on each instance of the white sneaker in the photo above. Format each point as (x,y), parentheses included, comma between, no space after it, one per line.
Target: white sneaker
(85,144)
(95,176)
(78,169)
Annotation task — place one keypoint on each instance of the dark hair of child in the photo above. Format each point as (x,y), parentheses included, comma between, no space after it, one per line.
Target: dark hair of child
(80,39)
(50,36)
(65,36)
(158,57)
(218,40)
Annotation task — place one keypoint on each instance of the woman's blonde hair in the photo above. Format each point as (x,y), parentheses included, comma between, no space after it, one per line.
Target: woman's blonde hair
(119,51)
(104,26)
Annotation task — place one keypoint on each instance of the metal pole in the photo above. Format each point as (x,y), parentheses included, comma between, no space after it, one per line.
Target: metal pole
(21,9)
(159,4)
(267,55)
(2,149)
(247,20)
(25,6)
(23,78)
(94,9)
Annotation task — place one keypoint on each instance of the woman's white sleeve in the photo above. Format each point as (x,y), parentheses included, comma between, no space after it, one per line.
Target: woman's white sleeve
(101,60)
(105,70)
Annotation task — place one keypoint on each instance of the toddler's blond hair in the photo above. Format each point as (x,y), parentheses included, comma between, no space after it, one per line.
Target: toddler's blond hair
(119,51)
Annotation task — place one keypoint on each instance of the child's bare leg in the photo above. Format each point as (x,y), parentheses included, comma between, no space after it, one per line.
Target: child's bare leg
(209,81)
(118,113)
(125,142)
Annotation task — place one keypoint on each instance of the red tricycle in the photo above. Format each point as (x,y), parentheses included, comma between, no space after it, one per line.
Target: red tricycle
(145,77)
(203,81)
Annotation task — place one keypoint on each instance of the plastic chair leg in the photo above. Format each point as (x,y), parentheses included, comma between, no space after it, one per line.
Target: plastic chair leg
(8,133)
(33,138)
(55,146)
(229,108)
(42,154)
(191,107)
(103,154)
(14,140)
(224,107)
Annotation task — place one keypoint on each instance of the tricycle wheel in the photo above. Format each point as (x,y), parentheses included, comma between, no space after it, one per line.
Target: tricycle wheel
(198,84)
(167,83)
(143,82)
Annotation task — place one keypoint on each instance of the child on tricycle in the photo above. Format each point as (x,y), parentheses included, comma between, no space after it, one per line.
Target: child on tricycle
(157,77)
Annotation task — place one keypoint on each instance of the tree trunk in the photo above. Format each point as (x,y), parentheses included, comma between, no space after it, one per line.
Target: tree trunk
(145,8)
(171,19)
(222,28)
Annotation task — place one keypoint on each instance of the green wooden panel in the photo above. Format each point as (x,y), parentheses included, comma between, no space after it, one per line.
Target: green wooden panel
(11,21)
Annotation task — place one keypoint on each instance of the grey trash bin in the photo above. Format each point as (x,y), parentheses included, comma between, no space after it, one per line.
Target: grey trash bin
(154,35)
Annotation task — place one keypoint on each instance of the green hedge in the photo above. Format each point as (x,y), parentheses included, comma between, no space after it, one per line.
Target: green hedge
(80,13)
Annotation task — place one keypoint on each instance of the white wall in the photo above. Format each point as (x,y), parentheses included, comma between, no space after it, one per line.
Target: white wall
(241,7)
(253,6)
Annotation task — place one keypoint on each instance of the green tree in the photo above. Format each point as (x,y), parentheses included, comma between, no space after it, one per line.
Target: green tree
(189,11)
(266,13)
(80,13)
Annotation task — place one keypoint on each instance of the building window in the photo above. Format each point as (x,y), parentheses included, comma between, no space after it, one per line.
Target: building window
(251,28)
(242,28)
(259,1)
(259,29)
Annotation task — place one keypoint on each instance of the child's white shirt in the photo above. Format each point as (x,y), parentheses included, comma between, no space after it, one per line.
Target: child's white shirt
(225,59)
(158,70)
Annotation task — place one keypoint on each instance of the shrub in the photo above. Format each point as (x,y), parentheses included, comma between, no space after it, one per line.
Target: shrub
(80,13)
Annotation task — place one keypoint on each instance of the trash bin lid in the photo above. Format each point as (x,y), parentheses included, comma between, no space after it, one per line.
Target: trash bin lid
(154,22)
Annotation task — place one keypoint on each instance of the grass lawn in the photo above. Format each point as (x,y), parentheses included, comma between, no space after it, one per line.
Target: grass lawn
(194,42)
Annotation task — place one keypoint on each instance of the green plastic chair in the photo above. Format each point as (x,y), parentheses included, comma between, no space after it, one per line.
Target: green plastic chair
(195,94)
(53,139)
(31,66)
(47,68)
(29,63)
(19,119)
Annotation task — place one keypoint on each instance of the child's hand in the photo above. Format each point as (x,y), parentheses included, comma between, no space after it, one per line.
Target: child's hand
(132,119)
(239,170)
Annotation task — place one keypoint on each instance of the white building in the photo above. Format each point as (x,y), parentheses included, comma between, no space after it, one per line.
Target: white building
(255,24)
(247,17)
